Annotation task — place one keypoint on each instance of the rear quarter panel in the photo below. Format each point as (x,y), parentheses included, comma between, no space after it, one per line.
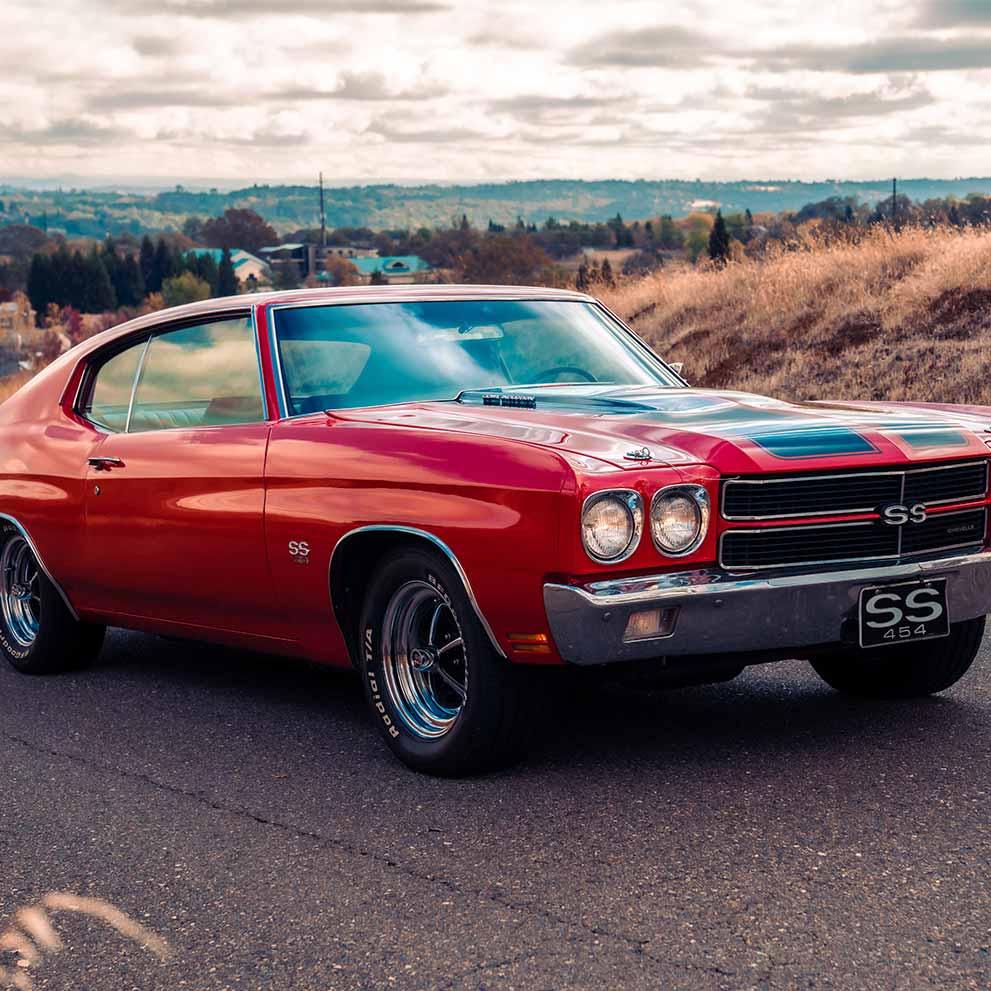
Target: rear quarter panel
(43,453)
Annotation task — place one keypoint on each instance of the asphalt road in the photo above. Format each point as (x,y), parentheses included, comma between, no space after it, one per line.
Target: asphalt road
(762,834)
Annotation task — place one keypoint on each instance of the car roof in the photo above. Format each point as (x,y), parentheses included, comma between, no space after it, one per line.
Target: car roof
(341,294)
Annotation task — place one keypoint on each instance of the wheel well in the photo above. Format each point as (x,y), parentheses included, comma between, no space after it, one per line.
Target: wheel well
(355,560)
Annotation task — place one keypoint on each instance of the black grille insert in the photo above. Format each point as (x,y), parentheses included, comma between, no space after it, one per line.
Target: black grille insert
(836,493)
(780,546)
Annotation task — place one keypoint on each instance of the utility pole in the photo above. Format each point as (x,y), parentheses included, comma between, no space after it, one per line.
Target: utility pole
(323,218)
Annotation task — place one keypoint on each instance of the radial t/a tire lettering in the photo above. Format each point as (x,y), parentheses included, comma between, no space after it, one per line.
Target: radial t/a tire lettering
(444,700)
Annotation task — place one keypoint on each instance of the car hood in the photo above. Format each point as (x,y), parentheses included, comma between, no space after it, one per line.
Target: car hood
(735,432)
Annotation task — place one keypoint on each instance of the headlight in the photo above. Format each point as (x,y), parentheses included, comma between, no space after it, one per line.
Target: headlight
(679,518)
(611,525)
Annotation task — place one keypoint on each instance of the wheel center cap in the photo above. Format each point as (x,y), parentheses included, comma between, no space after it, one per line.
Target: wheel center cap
(421,659)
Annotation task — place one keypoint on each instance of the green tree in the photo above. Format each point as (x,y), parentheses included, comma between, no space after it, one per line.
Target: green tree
(669,235)
(203,266)
(146,260)
(163,266)
(719,240)
(581,279)
(131,290)
(193,229)
(40,283)
(97,294)
(227,284)
(184,288)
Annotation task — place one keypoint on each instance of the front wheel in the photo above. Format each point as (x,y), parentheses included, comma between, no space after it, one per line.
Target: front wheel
(38,633)
(912,671)
(446,702)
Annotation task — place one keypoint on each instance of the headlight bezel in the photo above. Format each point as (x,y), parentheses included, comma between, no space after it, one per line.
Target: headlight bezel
(699,496)
(633,503)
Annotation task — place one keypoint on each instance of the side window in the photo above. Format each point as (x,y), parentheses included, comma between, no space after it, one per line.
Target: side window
(110,393)
(199,377)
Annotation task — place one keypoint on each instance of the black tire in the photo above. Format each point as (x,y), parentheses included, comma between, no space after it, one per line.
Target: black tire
(60,642)
(904,672)
(493,723)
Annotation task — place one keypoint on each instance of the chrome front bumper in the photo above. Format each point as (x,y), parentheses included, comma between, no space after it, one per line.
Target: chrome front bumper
(720,613)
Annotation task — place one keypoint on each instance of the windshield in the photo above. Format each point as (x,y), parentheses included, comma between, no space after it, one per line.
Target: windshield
(374,354)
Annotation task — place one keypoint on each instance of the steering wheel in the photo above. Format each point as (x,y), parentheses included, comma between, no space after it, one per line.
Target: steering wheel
(562,369)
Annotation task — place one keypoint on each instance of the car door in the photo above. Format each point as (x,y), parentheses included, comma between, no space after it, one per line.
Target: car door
(174,524)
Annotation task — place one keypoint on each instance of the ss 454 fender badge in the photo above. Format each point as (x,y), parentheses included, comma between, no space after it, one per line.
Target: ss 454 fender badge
(299,551)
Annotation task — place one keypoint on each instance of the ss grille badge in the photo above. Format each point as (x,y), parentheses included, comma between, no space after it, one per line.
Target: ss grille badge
(896,514)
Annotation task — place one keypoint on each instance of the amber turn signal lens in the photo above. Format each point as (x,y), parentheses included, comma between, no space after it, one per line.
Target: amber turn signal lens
(530,643)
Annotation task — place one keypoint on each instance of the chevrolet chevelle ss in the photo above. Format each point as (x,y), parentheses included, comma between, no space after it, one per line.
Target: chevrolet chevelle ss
(454,488)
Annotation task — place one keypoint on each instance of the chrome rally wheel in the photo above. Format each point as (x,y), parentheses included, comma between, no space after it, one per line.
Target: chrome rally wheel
(446,701)
(39,633)
(425,663)
(20,591)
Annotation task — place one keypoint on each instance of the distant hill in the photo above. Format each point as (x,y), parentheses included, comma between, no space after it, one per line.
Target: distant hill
(96,212)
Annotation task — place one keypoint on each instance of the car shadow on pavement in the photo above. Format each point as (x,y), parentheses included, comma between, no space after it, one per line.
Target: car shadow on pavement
(769,713)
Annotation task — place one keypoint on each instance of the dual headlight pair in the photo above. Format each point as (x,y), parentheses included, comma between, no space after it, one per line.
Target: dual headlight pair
(612,522)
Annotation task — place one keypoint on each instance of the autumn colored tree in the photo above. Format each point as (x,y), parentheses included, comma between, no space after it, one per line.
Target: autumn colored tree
(505,259)
(239,228)
(21,240)
(341,271)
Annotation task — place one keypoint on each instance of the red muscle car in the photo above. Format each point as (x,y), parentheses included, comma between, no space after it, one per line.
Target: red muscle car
(455,488)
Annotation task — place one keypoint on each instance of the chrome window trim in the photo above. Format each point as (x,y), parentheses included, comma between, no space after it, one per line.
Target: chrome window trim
(145,334)
(134,384)
(41,564)
(439,297)
(634,501)
(439,544)
(867,473)
(701,497)
(738,569)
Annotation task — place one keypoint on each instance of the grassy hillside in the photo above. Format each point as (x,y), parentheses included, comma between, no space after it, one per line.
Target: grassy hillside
(896,316)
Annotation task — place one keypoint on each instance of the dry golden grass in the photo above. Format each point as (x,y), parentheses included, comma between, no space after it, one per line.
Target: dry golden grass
(30,936)
(11,383)
(902,315)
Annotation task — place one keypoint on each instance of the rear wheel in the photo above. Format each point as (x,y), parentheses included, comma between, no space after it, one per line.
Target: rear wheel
(911,671)
(38,634)
(446,702)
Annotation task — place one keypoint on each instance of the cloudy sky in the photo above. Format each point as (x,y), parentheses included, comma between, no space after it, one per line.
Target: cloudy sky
(479,90)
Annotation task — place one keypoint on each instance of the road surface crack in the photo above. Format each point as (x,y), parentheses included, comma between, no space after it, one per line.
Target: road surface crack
(638,946)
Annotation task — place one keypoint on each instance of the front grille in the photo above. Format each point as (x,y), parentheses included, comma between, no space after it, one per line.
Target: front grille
(829,543)
(838,493)
(955,529)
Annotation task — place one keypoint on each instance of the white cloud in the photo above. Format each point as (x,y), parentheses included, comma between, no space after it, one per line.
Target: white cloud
(480,90)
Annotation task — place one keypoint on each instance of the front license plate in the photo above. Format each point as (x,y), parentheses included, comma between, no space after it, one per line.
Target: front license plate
(891,614)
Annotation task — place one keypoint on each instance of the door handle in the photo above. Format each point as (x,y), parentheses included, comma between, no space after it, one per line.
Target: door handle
(104,464)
